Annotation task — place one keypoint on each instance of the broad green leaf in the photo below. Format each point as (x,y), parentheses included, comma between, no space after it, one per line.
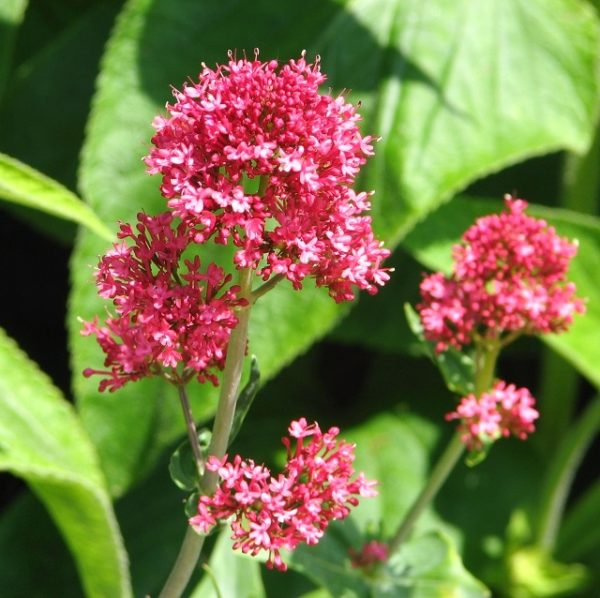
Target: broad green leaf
(437,81)
(234,573)
(431,243)
(11,16)
(458,89)
(42,441)
(22,185)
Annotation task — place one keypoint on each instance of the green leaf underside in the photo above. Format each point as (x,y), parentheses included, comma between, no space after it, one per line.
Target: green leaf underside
(453,97)
(42,442)
(234,573)
(22,185)
(431,243)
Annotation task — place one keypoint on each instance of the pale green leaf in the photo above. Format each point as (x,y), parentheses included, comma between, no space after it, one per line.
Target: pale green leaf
(25,186)
(43,442)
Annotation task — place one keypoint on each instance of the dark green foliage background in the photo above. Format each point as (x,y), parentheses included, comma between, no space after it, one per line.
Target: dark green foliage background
(472,100)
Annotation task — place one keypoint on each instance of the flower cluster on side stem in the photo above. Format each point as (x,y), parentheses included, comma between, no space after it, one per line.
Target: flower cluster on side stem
(172,317)
(503,411)
(271,513)
(509,276)
(247,122)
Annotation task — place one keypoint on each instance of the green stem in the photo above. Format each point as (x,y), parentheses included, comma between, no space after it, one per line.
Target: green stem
(191,428)
(188,556)
(236,350)
(559,478)
(485,364)
(438,476)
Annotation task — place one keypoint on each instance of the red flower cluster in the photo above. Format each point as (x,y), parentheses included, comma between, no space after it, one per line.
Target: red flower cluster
(369,555)
(503,411)
(170,316)
(509,275)
(273,513)
(252,153)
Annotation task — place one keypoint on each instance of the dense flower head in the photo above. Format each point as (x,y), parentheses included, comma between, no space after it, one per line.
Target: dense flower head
(271,513)
(505,410)
(369,555)
(253,154)
(171,317)
(509,275)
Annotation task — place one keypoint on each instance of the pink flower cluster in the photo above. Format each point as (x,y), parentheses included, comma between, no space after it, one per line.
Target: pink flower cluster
(509,275)
(503,411)
(369,555)
(171,317)
(273,513)
(253,154)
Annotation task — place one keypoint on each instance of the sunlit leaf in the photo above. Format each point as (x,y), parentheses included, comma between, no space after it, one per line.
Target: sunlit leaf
(43,442)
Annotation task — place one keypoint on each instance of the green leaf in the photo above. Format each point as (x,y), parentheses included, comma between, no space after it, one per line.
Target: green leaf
(22,185)
(428,566)
(458,370)
(11,16)
(431,243)
(458,89)
(234,573)
(182,465)
(42,441)
(437,82)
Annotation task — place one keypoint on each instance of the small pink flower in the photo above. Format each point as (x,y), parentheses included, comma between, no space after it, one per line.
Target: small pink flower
(171,318)
(251,121)
(370,554)
(274,513)
(509,275)
(503,411)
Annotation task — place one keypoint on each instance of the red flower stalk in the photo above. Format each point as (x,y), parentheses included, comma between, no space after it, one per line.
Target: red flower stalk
(509,275)
(253,154)
(172,318)
(273,513)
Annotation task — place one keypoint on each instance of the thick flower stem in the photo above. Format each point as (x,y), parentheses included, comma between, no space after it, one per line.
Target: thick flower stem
(485,365)
(192,545)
